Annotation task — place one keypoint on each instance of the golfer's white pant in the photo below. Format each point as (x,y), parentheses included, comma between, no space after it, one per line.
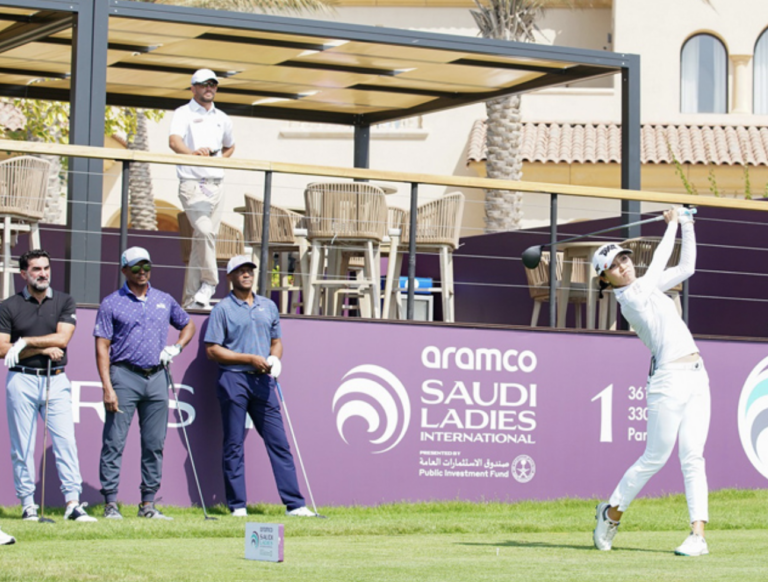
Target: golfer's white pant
(25,399)
(678,409)
(203,204)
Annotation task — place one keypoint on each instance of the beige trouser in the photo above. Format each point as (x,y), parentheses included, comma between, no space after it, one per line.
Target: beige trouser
(202,201)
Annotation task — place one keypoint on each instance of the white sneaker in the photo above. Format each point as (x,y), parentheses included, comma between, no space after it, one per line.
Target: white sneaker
(240,512)
(301,512)
(694,545)
(605,530)
(5,539)
(29,513)
(204,294)
(76,512)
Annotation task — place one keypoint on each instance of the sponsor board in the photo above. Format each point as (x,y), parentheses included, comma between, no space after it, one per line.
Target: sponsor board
(390,412)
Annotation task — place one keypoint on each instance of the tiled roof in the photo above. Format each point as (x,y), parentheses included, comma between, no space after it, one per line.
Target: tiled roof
(592,143)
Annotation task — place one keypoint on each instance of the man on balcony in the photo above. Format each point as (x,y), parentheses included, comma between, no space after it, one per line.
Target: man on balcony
(199,129)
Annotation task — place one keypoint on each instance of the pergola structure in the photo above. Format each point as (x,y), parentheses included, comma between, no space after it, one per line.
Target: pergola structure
(95,53)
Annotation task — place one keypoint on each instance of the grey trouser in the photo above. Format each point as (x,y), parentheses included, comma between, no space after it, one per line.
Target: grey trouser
(148,396)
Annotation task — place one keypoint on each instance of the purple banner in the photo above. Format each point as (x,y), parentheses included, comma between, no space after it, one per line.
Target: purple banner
(389,412)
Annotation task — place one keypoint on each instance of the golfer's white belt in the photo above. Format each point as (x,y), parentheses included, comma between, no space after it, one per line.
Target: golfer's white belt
(697,365)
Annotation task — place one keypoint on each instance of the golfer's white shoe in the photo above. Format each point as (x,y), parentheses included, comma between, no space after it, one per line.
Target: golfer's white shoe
(605,530)
(694,545)
(5,539)
(301,512)
(240,512)
(204,294)
(76,512)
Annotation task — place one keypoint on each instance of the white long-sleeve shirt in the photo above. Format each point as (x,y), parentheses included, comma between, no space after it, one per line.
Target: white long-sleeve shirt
(653,314)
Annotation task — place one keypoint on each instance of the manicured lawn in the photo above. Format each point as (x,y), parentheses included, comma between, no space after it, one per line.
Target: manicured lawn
(438,541)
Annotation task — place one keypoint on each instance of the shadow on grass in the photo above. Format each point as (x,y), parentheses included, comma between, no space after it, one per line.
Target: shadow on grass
(517,544)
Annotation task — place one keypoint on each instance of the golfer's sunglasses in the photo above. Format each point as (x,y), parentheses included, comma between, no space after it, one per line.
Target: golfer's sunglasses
(146,267)
(213,84)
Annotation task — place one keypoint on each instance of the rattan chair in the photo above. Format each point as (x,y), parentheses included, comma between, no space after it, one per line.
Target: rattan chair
(344,218)
(538,285)
(438,223)
(23,185)
(286,236)
(229,242)
(642,254)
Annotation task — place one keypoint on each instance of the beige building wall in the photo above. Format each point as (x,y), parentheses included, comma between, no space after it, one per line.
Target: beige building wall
(437,143)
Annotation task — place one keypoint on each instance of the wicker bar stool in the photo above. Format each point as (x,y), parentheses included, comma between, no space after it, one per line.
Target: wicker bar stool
(344,218)
(23,185)
(286,236)
(438,223)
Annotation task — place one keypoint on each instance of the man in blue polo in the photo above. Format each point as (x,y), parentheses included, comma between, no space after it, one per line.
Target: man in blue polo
(131,351)
(243,336)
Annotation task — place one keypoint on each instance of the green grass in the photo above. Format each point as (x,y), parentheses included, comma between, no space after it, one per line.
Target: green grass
(438,541)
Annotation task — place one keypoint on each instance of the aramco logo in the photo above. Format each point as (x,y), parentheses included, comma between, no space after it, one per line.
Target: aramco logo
(375,395)
(255,540)
(753,417)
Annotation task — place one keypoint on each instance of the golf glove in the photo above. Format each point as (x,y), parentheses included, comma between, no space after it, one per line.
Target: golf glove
(168,353)
(275,366)
(685,215)
(12,357)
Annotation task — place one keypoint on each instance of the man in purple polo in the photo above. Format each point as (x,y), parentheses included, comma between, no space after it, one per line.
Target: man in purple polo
(131,352)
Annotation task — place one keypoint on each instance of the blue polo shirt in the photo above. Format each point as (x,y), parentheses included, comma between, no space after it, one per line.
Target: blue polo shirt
(243,328)
(138,329)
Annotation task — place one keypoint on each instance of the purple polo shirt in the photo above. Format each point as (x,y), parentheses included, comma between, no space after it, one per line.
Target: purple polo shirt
(138,329)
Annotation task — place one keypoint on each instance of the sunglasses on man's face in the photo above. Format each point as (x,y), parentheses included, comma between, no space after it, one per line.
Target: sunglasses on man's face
(146,267)
(213,84)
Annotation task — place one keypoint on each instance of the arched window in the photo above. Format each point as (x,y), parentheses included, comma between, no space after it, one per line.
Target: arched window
(703,75)
(761,75)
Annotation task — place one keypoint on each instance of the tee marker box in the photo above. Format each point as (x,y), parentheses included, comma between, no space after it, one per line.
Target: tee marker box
(264,541)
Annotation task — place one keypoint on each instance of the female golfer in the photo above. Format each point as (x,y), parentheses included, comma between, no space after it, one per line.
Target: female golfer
(678,386)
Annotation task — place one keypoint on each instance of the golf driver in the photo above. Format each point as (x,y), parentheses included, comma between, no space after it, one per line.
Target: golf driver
(296,446)
(42,518)
(532,255)
(186,439)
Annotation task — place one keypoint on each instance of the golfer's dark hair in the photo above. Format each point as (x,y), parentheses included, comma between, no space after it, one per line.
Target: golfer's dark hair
(31,255)
(603,286)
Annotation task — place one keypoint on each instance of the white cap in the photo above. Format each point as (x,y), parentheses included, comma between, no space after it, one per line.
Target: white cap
(236,262)
(204,75)
(134,255)
(603,257)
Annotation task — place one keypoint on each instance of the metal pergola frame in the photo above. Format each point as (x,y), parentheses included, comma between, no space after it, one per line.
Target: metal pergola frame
(88,96)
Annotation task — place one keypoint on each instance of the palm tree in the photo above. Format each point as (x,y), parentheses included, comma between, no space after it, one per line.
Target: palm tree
(141,195)
(505,20)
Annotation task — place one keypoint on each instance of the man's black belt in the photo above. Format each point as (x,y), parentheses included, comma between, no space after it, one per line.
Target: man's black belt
(37,371)
(146,372)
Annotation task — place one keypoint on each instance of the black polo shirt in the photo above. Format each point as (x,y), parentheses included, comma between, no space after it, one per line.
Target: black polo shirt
(22,316)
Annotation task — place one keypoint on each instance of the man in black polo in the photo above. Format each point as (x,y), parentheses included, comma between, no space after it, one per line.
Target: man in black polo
(35,327)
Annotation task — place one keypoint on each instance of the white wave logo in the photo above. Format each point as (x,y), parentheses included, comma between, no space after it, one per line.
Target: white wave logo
(753,417)
(367,385)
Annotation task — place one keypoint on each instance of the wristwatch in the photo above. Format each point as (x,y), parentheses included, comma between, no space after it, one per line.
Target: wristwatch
(179,346)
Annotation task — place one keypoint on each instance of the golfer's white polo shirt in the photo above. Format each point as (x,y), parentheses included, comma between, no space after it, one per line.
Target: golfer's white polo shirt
(201,128)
